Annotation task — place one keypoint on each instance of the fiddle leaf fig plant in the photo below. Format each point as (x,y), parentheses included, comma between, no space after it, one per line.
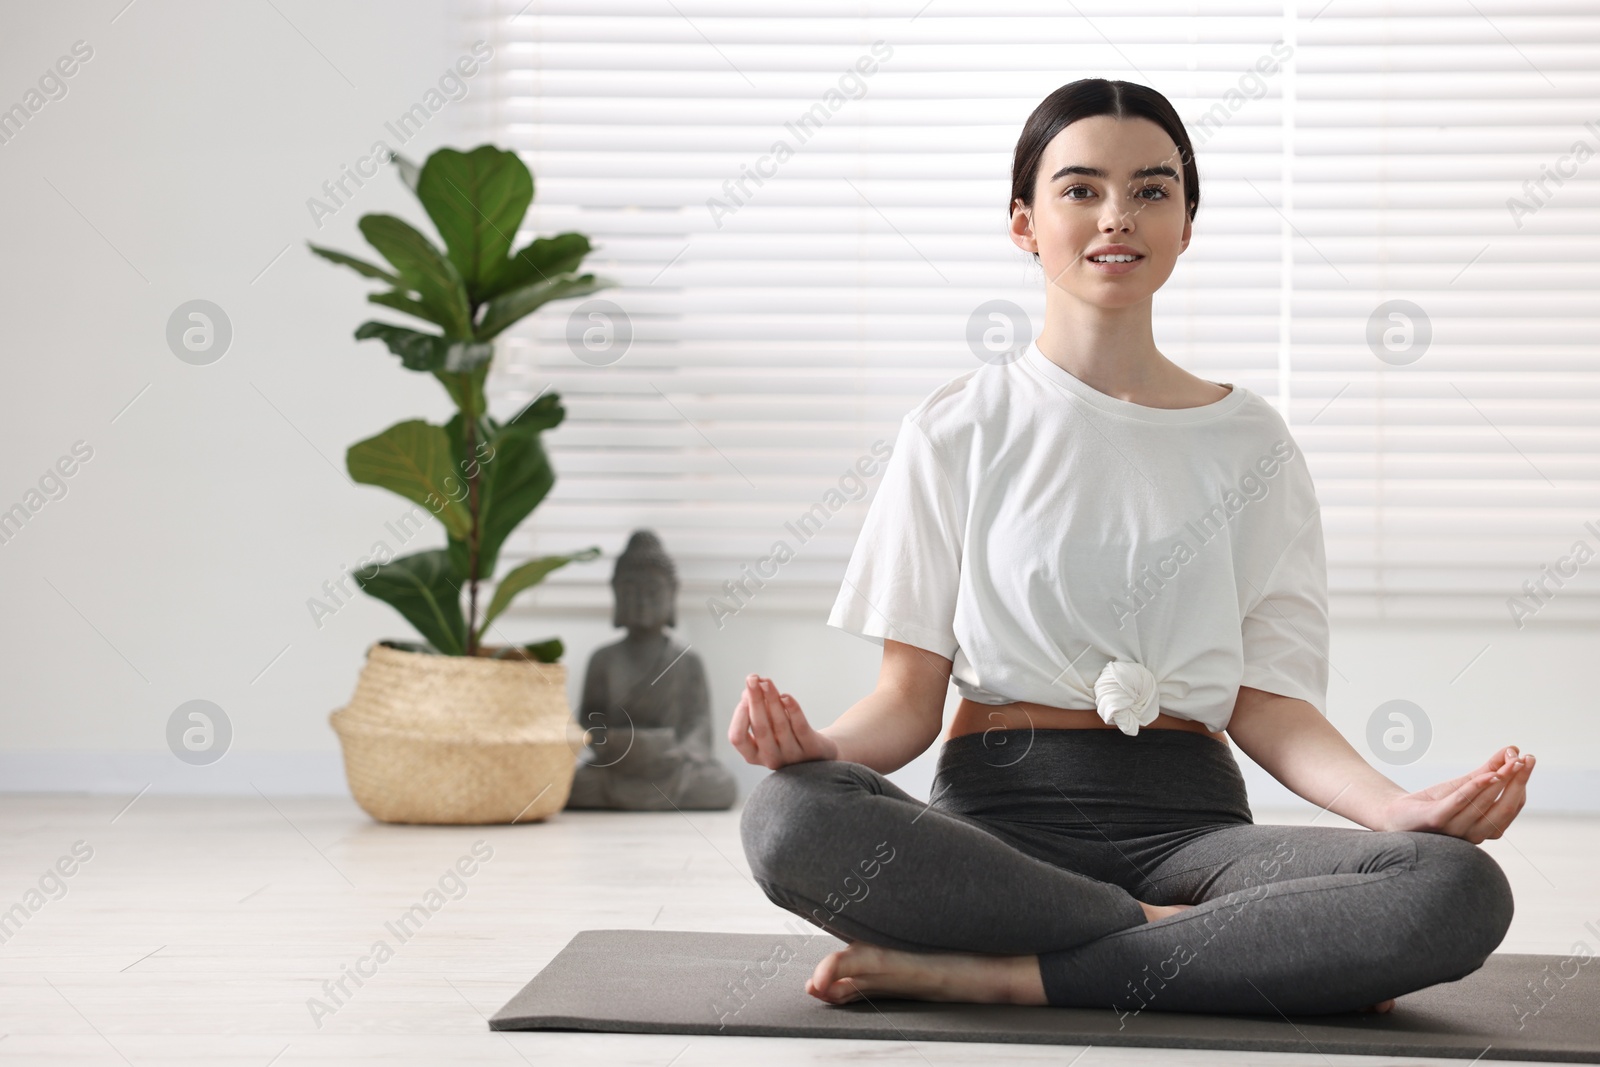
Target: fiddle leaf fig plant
(480,477)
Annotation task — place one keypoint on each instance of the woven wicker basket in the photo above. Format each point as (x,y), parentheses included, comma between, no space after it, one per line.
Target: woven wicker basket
(458,739)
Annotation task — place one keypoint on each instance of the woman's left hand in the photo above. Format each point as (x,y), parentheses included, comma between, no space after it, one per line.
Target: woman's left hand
(1475,806)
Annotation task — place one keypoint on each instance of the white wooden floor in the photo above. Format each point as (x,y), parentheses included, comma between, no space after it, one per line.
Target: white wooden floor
(198,928)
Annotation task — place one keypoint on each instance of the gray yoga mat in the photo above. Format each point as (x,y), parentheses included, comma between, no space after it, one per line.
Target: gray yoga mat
(753,985)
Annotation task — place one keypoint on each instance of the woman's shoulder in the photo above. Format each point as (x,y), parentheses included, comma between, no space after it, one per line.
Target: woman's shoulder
(1267,451)
(951,412)
(1258,421)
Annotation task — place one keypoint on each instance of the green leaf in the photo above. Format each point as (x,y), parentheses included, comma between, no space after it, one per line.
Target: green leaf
(518,477)
(476,200)
(482,437)
(541,260)
(419,587)
(423,269)
(417,351)
(546,651)
(514,477)
(527,576)
(468,460)
(508,308)
(426,351)
(540,651)
(409,171)
(398,300)
(483,433)
(410,646)
(413,458)
(543,413)
(466,389)
(360,266)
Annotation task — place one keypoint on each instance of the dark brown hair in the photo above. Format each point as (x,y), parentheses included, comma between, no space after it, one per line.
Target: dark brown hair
(1086,98)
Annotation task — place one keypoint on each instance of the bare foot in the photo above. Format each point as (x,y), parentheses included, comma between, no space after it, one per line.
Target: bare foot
(865,970)
(862,969)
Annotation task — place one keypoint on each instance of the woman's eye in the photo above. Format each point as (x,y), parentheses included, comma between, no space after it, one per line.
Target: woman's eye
(1067,193)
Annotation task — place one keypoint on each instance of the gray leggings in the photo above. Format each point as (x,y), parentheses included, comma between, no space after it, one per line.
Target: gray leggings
(1043,843)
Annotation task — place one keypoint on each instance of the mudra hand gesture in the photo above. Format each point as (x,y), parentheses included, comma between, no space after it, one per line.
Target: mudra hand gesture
(1475,806)
(770,729)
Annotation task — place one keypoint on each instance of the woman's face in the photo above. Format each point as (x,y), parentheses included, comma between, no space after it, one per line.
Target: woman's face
(1075,213)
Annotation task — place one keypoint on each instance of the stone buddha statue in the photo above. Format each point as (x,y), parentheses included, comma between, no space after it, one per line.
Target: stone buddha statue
(646,703)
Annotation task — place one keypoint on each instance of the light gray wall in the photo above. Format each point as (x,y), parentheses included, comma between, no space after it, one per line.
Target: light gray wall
(178,563)
(179,166)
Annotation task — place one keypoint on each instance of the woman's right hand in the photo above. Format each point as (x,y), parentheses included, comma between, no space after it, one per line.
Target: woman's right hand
(770,729)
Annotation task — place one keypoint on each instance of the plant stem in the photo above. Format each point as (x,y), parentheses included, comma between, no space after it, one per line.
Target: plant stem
(472,507)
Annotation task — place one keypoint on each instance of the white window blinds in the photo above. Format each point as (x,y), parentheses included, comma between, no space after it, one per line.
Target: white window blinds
(1395,244)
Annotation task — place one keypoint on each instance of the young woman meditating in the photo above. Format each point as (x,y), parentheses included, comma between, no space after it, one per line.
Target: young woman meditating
(1120,566)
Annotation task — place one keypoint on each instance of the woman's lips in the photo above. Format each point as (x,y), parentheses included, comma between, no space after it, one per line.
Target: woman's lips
(1113,268)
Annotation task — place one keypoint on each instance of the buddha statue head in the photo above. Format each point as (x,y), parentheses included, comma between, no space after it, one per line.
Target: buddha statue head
(644,585)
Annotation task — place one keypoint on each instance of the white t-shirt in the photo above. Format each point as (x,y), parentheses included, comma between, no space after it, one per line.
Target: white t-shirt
(1068,548)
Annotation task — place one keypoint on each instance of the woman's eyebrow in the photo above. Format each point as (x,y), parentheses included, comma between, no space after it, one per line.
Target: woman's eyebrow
(1096,172)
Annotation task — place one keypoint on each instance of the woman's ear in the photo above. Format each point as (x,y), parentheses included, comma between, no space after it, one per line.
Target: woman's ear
(1022,227)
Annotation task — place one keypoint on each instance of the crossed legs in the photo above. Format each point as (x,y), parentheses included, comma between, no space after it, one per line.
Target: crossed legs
(1298,919)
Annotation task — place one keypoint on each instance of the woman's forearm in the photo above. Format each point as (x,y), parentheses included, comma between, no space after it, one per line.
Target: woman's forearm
(883,731)
(1297,746)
